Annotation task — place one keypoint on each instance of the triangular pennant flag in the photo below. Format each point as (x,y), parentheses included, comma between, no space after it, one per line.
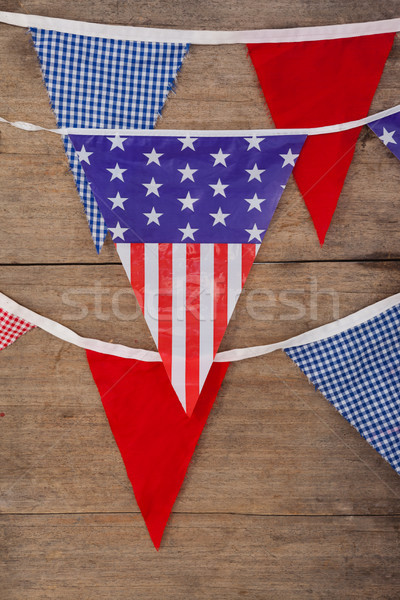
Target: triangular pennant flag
(388,130)
(11,328)
(318,83)
(358,372)
(188,215)
(106,83)
(155,437)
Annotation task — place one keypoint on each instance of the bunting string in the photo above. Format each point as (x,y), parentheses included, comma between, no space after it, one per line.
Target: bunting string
(118,78)
(313,335)
(125,32)
(353,362)
(182,258)
(187,249)
(328,129)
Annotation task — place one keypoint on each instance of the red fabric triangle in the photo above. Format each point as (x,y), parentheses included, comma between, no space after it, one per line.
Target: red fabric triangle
(312,84)
(155,436)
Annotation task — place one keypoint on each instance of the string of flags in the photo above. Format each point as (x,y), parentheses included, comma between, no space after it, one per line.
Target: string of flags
(119,77)
(352,361)
(188,211)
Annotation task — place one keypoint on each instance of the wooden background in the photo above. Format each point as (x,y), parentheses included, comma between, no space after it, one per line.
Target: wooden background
(283,498)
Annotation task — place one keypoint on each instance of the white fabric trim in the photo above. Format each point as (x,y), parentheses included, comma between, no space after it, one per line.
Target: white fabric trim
(320,333)
(313,335)
(67,335)
(212,132)
(123,32)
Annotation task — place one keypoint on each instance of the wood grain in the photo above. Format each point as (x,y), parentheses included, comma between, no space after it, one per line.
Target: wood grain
(323,558)
(283,499)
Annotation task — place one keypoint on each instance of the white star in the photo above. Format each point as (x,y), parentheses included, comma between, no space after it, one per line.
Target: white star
(153,216)
(219,188)
(255,173)
(187,232)
(254,234)
(187,202)
(187,142)
(118,231)
(117,142)
(187,173)
(152,187)
(153,157)
(118,201)
(387,137)
(254,202)
(289,158)
(254,142)
(83,155)
(220,158)
(116,172)
(219,217)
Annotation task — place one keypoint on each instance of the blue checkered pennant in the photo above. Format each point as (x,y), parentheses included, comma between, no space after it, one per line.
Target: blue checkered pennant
(104,83)
(358,371)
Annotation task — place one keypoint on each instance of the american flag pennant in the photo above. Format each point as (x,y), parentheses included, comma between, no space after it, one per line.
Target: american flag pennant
(388,131)
(187,214)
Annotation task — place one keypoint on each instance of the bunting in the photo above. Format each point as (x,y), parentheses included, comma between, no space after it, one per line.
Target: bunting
(11,328)
(388,131)
(188,213)
(357,370)
(119,76)
(317,83)
(353,362)
(155,437)
(101,82)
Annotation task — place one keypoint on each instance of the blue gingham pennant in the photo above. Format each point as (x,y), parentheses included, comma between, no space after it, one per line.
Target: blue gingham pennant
(104,83)
(358,371)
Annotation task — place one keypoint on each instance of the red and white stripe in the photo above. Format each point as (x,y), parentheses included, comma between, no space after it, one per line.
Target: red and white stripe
(187,293)
(11,328)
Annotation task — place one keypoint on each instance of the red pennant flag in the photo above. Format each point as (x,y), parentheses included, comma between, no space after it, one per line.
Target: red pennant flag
(318,83)
(155,436)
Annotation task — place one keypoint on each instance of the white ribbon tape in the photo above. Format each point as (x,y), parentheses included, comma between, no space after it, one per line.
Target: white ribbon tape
(144,34)
(320,333)
(212,132)
(67,335)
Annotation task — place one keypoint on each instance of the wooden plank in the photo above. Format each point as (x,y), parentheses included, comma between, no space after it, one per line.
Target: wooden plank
(270,432)
(228,557)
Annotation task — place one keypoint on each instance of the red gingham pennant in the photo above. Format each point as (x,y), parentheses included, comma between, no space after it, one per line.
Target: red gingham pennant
(11,328)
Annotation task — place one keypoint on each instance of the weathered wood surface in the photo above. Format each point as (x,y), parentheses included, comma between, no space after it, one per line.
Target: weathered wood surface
(228,557)
(283,499)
